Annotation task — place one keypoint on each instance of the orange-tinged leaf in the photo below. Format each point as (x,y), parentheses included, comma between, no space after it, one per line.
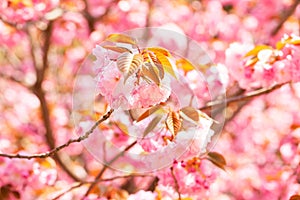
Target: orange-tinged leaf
(47,163)
(152,125)
(120,38)
(128,63)
(190,113)
(173,122)
(295,197)
(122,127)
(161,71)
(159,50)
(205,116)
(167,66)
(148,72)
(256,49)
(280,45)
(184,64)
(217,159)
(151,58)
(149,112)
(136,112)
(117,49)
(294,41)
(251,61)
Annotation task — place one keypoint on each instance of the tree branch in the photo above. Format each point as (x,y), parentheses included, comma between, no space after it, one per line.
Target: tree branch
(107,165)
(285,16)
(40,70)
(56,149)
(243,97)
(101,180)
(91,19)
(176,183)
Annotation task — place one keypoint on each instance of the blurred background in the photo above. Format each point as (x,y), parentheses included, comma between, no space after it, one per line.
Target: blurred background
(43,44)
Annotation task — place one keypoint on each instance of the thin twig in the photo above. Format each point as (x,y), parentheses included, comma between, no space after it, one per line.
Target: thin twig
(106,166)
(285,16)
(243,97)
(106,116)
(55,150)
(69,190)
(101,180)
(11,78)
(176,183)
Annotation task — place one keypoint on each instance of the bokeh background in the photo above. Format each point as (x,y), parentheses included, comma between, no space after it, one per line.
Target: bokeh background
(42,46)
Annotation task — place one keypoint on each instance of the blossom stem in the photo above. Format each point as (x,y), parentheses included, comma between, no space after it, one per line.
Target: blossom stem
(176,183)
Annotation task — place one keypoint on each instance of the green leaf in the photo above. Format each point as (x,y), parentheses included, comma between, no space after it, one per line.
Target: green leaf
(120,38)
(128,63)
(117,49)
(152,125)
(217,159)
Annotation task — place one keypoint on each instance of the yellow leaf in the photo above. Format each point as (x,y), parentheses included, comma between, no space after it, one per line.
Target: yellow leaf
(167,66)
(120,38)
(128,63)
(190,113)
(184,64)
(152,125)
(280,45)
(122,127)
(117,49)
(251,61)
(159,50)
(217,159)
(48,163)
(256,49)
(173,122)
(290,40)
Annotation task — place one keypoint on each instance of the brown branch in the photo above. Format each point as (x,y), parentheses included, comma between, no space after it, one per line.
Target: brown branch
(107,115)
(12,78)
(243,97)
(106,166)
(69,190)
(8,22)
(91,19)
(56,149)
(40,70)
(176,183)
(285,16)
(101,180)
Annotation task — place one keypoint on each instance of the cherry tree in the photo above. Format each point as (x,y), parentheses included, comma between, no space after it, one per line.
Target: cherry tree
(146,99)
